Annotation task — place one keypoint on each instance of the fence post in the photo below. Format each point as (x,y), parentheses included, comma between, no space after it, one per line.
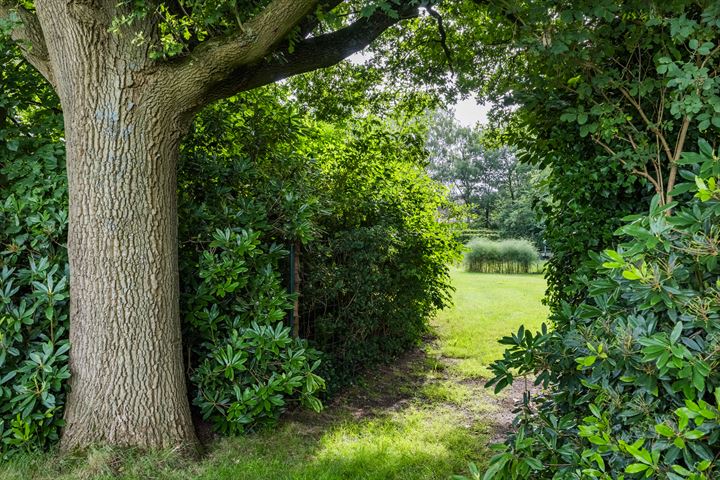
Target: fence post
(295,288)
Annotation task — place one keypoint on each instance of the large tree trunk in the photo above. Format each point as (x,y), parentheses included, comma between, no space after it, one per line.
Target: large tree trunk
(127,385)
(123,134)
(124,117)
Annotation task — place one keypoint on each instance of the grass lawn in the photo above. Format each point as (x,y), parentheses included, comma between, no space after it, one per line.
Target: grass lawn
(488,307)
(422,418)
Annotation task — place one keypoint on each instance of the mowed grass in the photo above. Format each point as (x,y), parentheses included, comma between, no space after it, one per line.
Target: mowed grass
(487,308)
(416,443)
(418,436)
(422,418)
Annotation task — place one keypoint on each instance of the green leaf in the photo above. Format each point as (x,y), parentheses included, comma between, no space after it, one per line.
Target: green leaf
(705,148)
(676,333)
(631,275)
(664,430)
(496,464)
(636,468)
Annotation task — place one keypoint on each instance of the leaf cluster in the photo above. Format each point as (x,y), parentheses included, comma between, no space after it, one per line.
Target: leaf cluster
(629,374)
(33,260)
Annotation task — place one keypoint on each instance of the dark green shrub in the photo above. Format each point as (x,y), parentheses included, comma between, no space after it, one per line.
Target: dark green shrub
(380,269)
(631,373)
(505,256)
(33,260)
(247,368)
(243,199)
(254,375)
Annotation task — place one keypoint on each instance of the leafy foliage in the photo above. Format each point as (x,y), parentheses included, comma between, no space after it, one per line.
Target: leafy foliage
(605,97)
(601,109)
(253,375)
(249,367)
(380,270)
(246,366)
(33,260)
(630,371)
(582,206)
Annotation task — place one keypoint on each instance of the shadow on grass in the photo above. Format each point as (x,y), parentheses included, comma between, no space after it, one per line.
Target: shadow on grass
(409,420)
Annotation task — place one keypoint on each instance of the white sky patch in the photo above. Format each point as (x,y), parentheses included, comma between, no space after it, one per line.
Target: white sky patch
(358,58)
(468,112)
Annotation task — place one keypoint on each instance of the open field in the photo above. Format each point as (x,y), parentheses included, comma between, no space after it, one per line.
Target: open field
(487,307)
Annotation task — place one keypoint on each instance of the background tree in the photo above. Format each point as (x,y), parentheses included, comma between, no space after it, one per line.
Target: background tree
(516,214)
(459,160)
(483,174)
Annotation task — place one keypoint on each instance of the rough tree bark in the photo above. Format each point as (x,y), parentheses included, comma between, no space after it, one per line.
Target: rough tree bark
(125,116)
(122,137)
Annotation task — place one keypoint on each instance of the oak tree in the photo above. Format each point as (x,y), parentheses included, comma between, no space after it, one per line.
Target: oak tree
(130,76)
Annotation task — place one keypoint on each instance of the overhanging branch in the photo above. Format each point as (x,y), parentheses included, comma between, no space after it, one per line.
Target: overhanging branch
(443,37)
(214,60)
(317,52)
(28,35)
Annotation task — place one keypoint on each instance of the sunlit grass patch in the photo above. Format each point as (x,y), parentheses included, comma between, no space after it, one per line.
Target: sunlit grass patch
(487,307)
(413,444)
(447,391)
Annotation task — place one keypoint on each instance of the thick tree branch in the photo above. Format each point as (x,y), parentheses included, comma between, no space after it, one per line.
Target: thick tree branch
(214,60)
(317,52)
(28,35)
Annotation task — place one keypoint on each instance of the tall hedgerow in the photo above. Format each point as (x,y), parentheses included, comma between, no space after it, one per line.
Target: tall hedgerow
(380,270)
(243,202)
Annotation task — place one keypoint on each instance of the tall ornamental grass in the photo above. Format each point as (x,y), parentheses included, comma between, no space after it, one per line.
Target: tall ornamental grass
(505,256)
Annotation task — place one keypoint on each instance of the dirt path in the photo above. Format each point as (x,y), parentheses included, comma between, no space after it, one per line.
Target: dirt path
(422,378)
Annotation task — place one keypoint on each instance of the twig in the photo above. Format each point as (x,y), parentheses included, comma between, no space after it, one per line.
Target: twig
(647,121)
(443,37)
